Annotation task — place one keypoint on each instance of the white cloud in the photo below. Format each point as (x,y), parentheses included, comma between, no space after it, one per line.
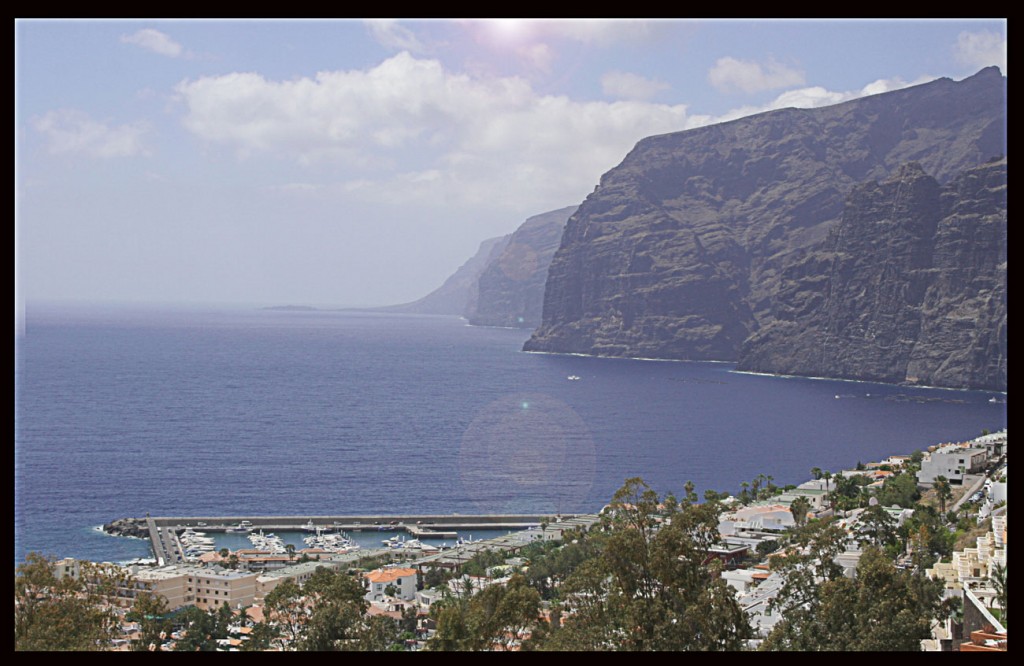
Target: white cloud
(71,131)
(409,131)
(458,139)
(731,75)
(388,33)
(539,56)
(155,41)
(981,49)
(885,85)
(810,98)
(630,86)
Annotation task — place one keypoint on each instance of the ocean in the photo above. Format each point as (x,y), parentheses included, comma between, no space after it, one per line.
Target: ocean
(120,411)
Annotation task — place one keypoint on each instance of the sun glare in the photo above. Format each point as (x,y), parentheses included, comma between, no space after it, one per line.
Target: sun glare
(507,31)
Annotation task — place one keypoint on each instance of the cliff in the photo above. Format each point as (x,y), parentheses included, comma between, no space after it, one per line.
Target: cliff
(682,249)
(910,288)
(458,294)
(511,287)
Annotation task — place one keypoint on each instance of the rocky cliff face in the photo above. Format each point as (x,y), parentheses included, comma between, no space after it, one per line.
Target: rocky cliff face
(458,294)
(681,250)
(910,287)
(511,287)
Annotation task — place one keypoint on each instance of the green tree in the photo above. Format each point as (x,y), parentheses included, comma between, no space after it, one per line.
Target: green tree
(810,563)
(496,617)
(848,492)
(380,633)
(654,584)
(997,575)
(53,613)
(199,631)
(881,609)
(939,540)
(899,490)
(336,620)
(876,528)
(284,606)
(150,611)
(800,507)
(261,638)
(943,492)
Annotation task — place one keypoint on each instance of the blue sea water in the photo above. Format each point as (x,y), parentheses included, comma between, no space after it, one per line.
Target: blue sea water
(120,411)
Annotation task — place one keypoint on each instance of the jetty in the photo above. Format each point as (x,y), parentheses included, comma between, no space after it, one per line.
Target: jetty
(161,529)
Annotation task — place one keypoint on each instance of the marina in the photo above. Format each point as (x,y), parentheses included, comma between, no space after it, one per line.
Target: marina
(184,538)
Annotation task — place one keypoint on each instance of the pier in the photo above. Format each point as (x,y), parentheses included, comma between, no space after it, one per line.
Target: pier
(426,525)
(162,531)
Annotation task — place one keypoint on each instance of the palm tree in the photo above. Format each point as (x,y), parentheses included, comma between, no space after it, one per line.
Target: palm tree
(943,492)
(831,500)
(799,508)
(290,549)
(998,577)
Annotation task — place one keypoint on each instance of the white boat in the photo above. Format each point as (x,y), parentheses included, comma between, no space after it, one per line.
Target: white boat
(573,378)
(310,527)
(242,527)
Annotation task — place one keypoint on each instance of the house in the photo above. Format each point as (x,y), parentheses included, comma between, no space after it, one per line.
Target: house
(377,582)
(765,517)
(896,461)
(66,567)
(953,461)
(815,496)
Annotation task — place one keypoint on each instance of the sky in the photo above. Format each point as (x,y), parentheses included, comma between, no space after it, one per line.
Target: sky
(360,162)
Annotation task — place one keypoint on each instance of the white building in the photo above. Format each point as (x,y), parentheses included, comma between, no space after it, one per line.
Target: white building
(403,580)
(953,461)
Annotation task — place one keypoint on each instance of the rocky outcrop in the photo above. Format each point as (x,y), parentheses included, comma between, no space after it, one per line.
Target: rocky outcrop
(458,294)
(681,250)
(909,288)
(511,287)
(128,527)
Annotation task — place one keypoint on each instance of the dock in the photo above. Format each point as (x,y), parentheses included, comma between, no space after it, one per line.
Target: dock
(163,530)
(428,525)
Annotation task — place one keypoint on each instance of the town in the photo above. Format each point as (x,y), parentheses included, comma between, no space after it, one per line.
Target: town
(763,568)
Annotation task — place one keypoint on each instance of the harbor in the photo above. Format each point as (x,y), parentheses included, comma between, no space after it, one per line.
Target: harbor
(165,532)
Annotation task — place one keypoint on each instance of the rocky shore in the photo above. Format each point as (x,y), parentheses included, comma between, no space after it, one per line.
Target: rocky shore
(128,527)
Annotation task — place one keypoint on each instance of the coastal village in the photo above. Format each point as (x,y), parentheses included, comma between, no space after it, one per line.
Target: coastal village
(940,511)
